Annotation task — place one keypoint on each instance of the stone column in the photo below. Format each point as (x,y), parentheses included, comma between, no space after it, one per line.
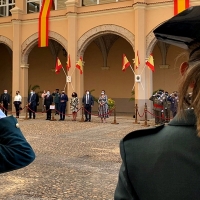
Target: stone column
(75,85)
(24,84)
(16,23)
(144,88)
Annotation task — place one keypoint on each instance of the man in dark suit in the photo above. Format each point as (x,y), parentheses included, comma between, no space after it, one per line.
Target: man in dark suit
(63,102)
(37,100)
(31,104)
(15,151)
(5,101)
(48,100)
(88,103)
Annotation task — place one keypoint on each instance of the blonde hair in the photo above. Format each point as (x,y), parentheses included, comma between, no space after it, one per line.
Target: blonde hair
(191,77)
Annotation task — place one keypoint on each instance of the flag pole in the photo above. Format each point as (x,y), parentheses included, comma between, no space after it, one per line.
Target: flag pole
(132,69)
(65,77)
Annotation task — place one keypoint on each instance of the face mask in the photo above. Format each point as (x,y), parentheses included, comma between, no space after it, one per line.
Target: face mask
(87,92)
(102,93)
(5,92)
(63,92)
(31,92)
(48,93)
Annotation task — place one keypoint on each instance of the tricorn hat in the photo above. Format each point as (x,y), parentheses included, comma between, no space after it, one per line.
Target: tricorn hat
(181,30)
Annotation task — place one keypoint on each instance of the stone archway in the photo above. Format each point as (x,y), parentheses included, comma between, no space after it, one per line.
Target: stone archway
(150,43)
(6,41)
(95,32)
(30,42)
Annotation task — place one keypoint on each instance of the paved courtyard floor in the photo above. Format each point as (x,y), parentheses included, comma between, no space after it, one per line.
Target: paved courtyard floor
(74,160)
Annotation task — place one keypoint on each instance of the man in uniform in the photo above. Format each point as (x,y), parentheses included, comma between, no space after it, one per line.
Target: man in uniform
(166,104)
(15,151)
(157,107)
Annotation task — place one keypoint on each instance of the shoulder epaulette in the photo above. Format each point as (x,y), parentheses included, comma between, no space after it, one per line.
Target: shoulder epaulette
(143,132)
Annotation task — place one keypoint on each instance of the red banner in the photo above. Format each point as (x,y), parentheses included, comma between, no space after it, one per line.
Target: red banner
(180,5)
(44,23)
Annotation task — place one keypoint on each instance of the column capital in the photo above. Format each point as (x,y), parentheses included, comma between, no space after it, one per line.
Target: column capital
(24,66)
(71,6)
(16,13)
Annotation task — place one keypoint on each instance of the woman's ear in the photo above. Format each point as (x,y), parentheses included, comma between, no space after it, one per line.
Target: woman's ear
(183,68)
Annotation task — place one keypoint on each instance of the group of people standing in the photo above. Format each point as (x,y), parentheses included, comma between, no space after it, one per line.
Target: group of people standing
(60,101)
(164,104)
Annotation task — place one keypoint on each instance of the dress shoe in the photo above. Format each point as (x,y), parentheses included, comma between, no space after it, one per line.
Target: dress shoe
(86,120)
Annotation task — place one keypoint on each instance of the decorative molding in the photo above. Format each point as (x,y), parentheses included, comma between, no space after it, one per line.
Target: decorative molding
(31,42)
(6,41)
(95,32)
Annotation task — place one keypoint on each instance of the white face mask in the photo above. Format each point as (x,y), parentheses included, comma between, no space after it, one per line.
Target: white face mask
(87,92)
(5,92)
(31,92)
(48,93)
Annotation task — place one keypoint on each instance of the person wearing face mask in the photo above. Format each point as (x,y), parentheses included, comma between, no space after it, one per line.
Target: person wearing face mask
(63,103)
(74,105)
(103,106)
(32,104)
(88,103)
(5,101)
(48,100)
(17,102)
(56,100)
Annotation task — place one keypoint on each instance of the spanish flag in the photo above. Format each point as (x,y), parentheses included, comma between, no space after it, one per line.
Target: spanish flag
(44,23)
(68,63)
(58,66)
(150,63)
(137,61)
(79,65)
(125,63)
(180,5)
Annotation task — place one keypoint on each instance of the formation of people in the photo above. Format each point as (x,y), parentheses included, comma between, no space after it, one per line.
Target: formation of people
(164,104)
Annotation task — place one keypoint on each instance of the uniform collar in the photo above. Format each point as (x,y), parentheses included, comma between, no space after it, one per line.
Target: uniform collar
(190,119)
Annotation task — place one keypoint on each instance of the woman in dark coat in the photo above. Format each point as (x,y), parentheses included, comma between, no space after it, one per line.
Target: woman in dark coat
(163,163)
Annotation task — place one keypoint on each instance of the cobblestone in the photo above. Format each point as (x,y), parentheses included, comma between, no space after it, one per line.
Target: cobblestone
(74,160)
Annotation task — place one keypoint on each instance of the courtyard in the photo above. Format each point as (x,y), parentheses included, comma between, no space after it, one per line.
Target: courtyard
(74,160)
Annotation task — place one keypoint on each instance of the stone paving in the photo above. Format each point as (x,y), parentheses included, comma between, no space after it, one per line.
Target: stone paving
(74,160)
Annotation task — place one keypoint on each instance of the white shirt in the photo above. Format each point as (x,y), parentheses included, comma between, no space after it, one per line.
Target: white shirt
(18,98)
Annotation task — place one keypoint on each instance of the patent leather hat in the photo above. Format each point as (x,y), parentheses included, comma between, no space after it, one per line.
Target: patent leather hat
(181,30)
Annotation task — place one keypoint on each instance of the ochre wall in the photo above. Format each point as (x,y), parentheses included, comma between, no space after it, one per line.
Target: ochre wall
(6,69)
(168,79)
(117,84)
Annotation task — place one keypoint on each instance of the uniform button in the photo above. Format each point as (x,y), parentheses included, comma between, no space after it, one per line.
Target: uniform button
(17,125)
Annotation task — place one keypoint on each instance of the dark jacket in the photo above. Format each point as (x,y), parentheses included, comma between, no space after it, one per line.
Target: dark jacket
(5,98)
(56,97)
(91,100)
(32,99)
(63,98)
(161,163)
(15,151)
(48,100)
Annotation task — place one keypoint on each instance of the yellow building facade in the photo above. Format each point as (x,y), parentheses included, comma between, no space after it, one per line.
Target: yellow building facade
(100,32)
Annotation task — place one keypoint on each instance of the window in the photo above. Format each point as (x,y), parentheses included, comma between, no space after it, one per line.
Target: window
(35,5)
(5,7)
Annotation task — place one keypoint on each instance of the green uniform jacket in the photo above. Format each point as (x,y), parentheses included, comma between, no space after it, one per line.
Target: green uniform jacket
(15,152)
(161,163)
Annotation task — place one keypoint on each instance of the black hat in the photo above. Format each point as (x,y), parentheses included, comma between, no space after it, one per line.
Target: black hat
(181,30)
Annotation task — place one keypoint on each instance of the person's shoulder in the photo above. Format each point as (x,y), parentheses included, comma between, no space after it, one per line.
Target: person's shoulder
(143,132)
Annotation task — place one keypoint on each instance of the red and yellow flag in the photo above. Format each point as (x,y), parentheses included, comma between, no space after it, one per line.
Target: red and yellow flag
(44,23)
(137,61)
(68,63)
(79,65)
(180,5)
(58,66)
(125,63)
(150,62)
